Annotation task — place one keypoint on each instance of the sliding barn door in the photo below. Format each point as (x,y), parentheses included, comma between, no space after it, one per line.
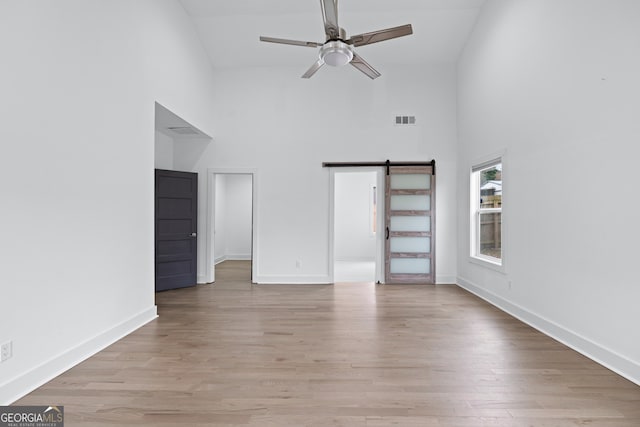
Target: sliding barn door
(410,225)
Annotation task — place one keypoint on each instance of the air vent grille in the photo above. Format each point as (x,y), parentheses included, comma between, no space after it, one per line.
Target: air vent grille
(405,120)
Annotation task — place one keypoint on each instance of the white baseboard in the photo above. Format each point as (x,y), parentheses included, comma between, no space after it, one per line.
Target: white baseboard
(322,280)
(20,386)
(608,358)
(232,257)
(238,257)
(293,280)
(445,280)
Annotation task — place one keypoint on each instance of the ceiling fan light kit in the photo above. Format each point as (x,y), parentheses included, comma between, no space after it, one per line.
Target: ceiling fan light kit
(336,53)
(338,50)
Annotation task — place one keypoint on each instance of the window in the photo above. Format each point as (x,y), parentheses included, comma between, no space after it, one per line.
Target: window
(486,212)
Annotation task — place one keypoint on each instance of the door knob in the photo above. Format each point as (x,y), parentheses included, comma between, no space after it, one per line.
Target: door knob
(193,234)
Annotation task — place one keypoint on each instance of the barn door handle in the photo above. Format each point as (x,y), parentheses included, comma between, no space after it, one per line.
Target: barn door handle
(387,233)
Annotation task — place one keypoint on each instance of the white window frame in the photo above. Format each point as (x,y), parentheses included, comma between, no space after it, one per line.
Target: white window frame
(475,212)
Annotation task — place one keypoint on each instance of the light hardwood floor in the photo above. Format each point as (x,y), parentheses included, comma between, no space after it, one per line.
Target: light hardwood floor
(232,354)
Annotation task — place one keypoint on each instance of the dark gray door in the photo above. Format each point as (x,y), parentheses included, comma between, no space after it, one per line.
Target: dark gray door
(176,222)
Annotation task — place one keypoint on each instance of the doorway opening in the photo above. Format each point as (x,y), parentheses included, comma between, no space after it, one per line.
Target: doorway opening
(231,226)
(357,216)
(178,241)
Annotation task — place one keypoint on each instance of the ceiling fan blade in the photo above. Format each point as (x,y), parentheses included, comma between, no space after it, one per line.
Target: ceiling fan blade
(363,66)
(330,18)
(286,41)
(315,67)
(380,35)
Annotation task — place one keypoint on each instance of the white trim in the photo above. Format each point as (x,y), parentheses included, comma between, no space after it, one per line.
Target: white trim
(332,225)
(489,210)
(21,385)
(232,257)
(355,259)
(294,280)
(487,263)
(485,160)
(486,164)
(237,257)
(606,357)
(445,280)
(210,238)
(380,235)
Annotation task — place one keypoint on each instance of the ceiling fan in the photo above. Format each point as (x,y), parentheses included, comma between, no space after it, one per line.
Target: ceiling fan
(338,50)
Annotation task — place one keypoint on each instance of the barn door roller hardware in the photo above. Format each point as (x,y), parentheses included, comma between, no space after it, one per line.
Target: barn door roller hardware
(386,164)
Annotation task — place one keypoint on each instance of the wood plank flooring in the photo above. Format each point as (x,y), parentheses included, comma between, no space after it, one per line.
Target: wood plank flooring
(356,355)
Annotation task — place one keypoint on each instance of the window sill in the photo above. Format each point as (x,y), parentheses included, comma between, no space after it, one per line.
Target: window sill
(487,263)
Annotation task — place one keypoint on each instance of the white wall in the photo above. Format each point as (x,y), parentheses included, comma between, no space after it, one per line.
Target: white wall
(556,85)
(220,218)
(238,207)
(79,81)
(285,127)
(163,151)
(354,240)
(233,217)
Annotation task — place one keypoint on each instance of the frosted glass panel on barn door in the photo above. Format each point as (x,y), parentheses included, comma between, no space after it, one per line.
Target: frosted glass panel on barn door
(410,197)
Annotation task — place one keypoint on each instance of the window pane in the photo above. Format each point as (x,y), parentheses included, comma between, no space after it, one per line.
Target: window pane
(491,234)
(491,187)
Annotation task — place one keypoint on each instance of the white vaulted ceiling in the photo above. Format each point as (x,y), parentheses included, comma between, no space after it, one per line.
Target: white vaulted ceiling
(230,30)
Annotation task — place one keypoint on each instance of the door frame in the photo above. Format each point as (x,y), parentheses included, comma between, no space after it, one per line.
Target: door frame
(210,219)
(380,201)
